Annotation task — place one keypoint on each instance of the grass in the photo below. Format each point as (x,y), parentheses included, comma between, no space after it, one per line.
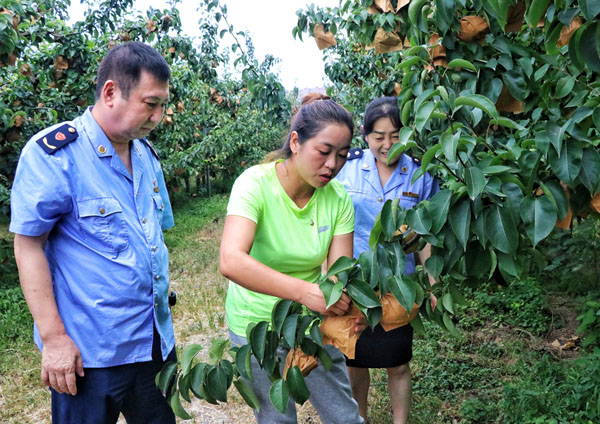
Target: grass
(503,363)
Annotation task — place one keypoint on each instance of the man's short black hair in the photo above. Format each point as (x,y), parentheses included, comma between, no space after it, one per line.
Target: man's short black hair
(124,65)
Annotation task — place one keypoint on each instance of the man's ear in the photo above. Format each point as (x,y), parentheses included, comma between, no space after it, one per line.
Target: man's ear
(109,92)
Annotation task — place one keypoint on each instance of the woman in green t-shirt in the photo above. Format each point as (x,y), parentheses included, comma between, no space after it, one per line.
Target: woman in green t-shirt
(284,219)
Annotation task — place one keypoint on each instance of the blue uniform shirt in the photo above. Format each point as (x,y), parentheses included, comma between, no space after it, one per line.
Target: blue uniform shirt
(361,179)
(107,257)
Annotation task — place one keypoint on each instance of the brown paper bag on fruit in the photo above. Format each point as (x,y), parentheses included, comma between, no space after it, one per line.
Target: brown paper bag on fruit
(472,28)
(305,362)
(324,39)
(339,331)
(394,314)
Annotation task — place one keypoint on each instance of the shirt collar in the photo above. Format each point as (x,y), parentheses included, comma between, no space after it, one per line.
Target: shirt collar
(99,141)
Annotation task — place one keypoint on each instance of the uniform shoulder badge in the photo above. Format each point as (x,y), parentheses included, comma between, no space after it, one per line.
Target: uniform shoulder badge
(355,153)
(151,147)
(57,138)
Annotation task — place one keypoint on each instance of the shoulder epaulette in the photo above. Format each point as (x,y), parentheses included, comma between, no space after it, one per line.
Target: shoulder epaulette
(355,153)
(151,147)
(57,138)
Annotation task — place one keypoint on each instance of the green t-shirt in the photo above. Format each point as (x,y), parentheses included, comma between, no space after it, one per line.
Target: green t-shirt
(289,239)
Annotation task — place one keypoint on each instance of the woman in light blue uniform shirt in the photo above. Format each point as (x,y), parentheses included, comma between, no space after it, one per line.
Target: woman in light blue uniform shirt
(370,181)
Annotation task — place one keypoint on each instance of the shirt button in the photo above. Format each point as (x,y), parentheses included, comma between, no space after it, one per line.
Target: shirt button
(102,210)
(143,220)
(156,305)
(380,200)
(156,277)
(154,248)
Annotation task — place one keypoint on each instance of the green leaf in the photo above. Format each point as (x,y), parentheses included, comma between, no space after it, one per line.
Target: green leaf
(589,8)
(515,82)
(188,356)
(507,264)
(539,216)
(506,122)
(564,86)
(448,303)
(289,329)
(559,197)
(258,339)
(305,322)
(419,220)
(178,410)
(575,50)
(460,221)
(427,158)
(315,333)
(166,374)
(449,144)
(434,265)
(536,10)
(217,349)
(297,385)
(478,101)
(457,296)
(423,115)
(450,325)
(438,207)
(363,293)
(376,232)
(184,386)
(404,291)
(279,313)
(279,395)
(369,267)
(590,170)
(424,96)
(568,165)
(417,325)
(461,63)
(475,181)
(343,263)
(247,394)
(325,358)
(589,47)
(388,218)
(396,257)
(216,383)
(243,359)
(197,380)
(501,229)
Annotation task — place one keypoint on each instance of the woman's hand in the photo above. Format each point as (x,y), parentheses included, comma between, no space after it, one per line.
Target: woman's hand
(313,299)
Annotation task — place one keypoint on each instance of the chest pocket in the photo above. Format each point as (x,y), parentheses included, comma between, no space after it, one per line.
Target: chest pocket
(159,207)
(408,202)
(101,220)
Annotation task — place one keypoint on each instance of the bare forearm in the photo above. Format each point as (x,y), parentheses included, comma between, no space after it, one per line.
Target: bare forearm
(246,271)
(36,283)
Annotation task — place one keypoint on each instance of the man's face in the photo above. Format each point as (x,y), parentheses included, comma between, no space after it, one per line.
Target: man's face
(142,111)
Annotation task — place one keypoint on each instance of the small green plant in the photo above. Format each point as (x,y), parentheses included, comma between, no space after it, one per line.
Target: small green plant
(521,304)
(590,324)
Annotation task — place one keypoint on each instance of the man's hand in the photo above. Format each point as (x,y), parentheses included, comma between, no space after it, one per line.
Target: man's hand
(61,359)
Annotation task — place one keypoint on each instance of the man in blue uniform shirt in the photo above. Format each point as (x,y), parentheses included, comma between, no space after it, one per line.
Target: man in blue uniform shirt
(88,207)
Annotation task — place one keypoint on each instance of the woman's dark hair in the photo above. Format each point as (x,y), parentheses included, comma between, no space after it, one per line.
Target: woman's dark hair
(315,113)
(382,107)
(124,65)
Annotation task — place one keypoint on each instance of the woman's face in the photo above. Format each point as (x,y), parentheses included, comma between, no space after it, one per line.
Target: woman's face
(382,138)
(319,159)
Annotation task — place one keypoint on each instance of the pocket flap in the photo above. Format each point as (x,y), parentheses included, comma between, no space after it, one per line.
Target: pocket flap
(158,202)
(102,206)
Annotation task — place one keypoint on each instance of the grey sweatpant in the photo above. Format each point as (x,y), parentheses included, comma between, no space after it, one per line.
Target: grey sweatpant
(330,391)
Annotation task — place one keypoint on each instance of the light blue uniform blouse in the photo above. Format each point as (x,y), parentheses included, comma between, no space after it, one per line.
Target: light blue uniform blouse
(361,179)
(107,257)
